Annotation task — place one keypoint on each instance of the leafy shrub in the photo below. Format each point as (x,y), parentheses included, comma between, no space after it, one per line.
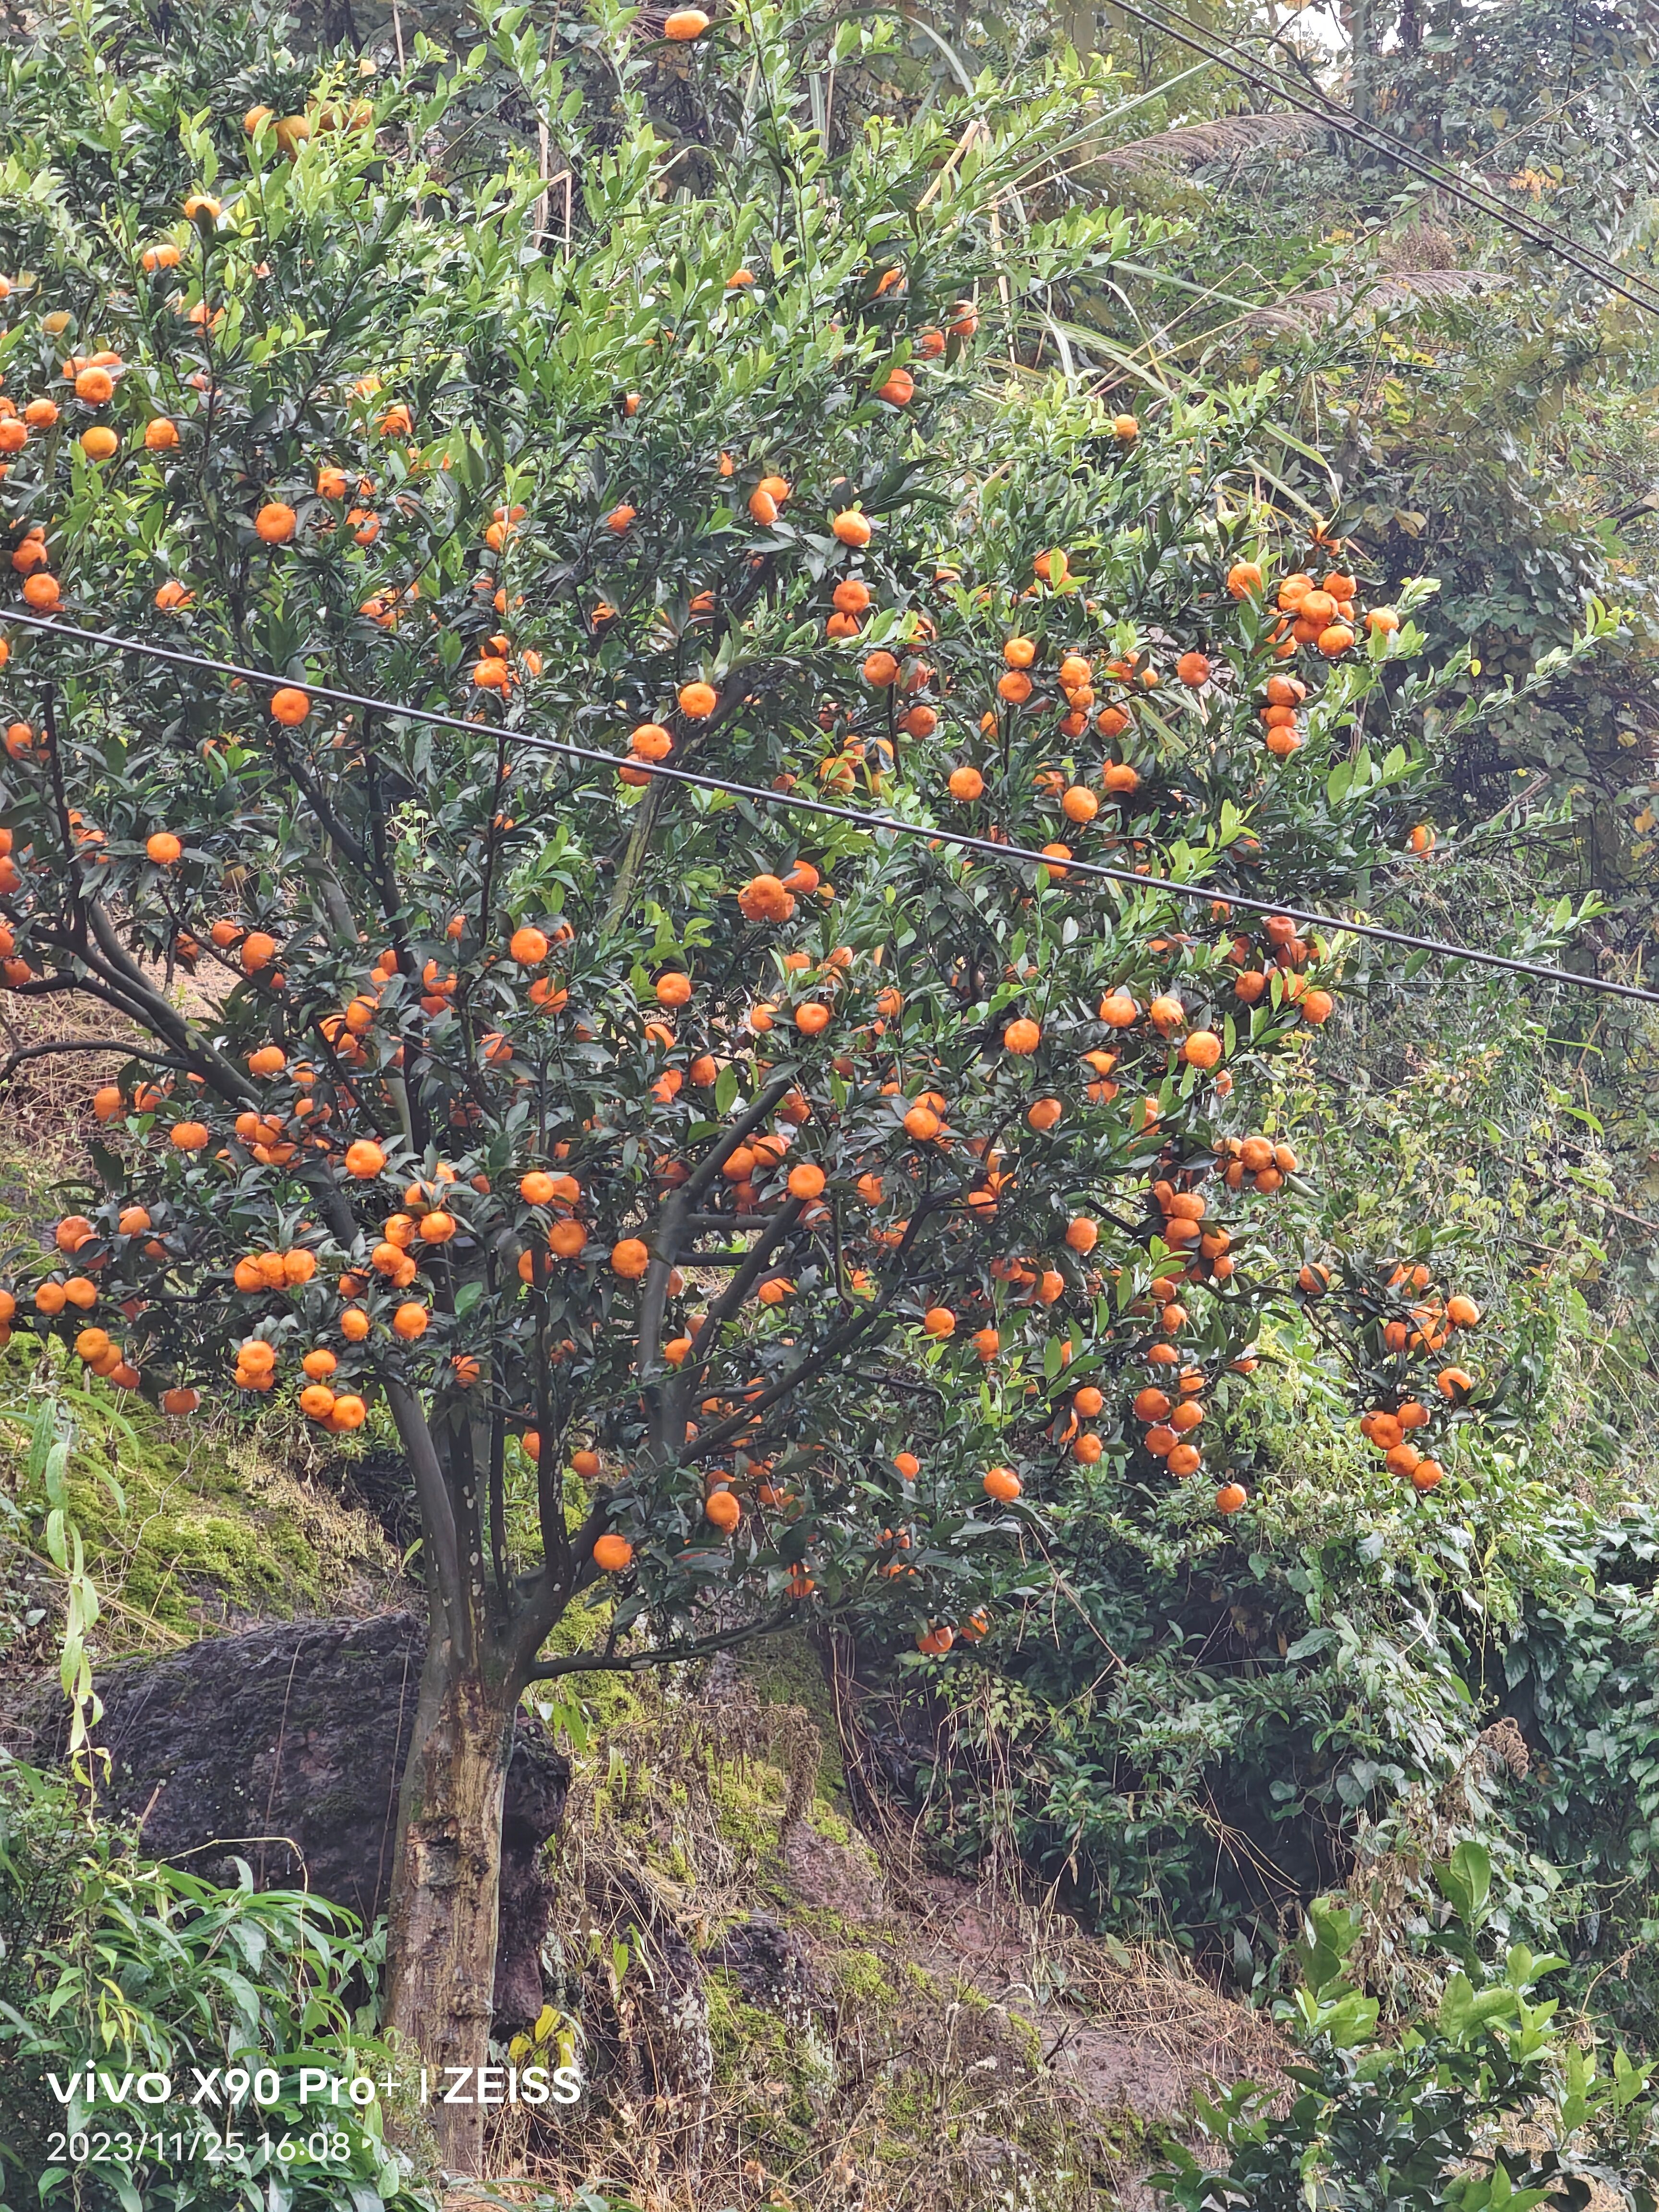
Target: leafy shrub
(107,1959)
(1450,2116)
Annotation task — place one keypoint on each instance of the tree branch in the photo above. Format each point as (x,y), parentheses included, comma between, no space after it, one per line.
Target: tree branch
(838,1340)
(665,1654)
(437,1512)
(14,1060)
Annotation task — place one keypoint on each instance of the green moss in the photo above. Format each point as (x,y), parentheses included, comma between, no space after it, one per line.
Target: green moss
(785,1670)
(1028,2037)
(824,1820)
(194,1521)
(861,1977)
(778,2075)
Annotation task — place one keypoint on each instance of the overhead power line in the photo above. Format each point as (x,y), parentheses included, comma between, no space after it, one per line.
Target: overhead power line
(1263,76)
(792,802)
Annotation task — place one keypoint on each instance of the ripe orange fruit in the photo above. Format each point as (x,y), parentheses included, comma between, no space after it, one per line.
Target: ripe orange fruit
(1002,1483)
(189,1136)
(1231,1498)
(852,528)
(807,1180)
(349,1410)
(411,1321)
(163,848)
(1022,1035)
(899,389)
(1202,1050)
(289,706)
(354,1324)
(938,1323)
(274,522)
(1243,577)
(1382,619)
(527,945)
(1462,1312)
(180,1401)
(41,592)
(1081,1235)
(685,25)
(364,1159)
(1125,428)
(1192,669)
(612,1552)
(1118,1009)
(99,443)
(1043,1114)
(673,988)
(629,1258)
(697,700)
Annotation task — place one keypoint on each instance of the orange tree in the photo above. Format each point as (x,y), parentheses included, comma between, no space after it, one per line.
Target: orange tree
(669,1156)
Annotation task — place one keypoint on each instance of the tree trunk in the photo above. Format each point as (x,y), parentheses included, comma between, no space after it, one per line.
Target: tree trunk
(445,1883)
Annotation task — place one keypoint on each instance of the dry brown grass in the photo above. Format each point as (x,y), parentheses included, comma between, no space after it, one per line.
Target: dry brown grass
(45,1104)
(955,2040)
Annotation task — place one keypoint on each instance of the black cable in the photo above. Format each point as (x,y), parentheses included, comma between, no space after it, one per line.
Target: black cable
(1261,76)
(1023,855)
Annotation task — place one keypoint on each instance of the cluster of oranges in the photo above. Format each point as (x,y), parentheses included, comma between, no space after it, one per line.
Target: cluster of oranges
(1323,615)
(1415,1323)
(1282,968)
(1255,1163)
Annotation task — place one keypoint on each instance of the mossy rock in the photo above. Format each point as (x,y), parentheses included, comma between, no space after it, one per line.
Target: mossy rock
(781,2077)
(193,1523)
(859,1976)
(785,1670)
